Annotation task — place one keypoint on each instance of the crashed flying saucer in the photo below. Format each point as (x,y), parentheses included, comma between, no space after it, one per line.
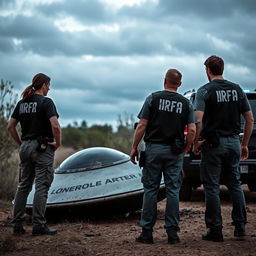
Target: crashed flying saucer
(96,178)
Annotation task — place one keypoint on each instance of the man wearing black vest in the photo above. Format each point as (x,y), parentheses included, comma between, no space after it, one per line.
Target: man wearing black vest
(163,118)
(219,105)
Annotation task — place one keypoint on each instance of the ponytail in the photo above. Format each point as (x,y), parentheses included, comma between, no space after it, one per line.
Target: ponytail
(30,90)
(37,82)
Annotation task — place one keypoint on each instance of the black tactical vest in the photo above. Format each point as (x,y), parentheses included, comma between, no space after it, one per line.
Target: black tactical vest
(168,117)
(222,109)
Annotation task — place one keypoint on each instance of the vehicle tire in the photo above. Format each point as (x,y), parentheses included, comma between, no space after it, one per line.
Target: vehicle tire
(186,190)
(252,186)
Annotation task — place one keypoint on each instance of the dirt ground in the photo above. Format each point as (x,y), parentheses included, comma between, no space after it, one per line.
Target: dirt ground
(115,235)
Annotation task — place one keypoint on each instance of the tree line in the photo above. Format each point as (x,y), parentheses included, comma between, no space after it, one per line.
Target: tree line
(80,136)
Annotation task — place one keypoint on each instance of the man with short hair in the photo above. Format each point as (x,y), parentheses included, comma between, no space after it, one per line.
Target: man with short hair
(219,105)
(163,118)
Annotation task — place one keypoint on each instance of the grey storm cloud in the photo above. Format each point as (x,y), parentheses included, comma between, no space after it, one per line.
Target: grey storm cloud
(3,3)
(41,37)
(145,37)
(208,9)
(104,60)
(86,10)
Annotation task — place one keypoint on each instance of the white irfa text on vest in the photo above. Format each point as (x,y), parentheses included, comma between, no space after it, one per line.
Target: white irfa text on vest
(226,95)
(170,106)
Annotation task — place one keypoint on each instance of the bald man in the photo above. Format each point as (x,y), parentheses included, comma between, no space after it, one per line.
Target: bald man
(163,118)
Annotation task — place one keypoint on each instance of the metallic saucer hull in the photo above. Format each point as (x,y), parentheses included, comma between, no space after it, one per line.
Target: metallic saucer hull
(116,187)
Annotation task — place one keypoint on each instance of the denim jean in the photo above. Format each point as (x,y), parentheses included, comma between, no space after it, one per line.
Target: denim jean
(160,160)
(222,162)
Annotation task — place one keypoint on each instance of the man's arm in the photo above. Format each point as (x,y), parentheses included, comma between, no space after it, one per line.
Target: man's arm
(56,130)
(11,128)
(190,136)
(199,119)
(199,113)
(139,132)
(248,127)
(191,128)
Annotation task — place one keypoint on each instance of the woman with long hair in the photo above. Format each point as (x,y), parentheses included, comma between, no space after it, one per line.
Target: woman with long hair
(40,137)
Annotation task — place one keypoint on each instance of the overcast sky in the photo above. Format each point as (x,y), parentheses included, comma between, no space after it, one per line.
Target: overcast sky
(106,56)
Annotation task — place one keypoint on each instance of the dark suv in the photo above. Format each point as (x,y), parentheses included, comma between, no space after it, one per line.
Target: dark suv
(191,166)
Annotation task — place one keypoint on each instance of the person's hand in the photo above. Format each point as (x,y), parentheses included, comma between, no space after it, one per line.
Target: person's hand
(134,155)
(197,147)
(54,145)
(244,153)
(185,151)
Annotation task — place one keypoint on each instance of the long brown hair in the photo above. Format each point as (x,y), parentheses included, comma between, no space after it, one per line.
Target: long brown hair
(37,82)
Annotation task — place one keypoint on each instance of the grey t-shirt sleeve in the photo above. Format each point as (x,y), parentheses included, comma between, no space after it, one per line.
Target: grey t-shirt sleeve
(200,99)
(191,115)
(145,110)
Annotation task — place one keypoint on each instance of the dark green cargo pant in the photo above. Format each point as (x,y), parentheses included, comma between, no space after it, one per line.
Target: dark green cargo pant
(34,166)
(222,162)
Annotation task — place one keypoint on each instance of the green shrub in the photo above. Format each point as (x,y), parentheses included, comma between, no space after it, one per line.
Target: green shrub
(8,148)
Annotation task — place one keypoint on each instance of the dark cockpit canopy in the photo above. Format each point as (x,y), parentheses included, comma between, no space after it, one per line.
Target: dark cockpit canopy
(92,158)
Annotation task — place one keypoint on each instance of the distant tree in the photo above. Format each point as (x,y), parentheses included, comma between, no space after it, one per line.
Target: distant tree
(8,158)
(72,137)
(125,120)
(95,138)
(122,139)
(102,128)
(75,124)
(83,125)
(80,137)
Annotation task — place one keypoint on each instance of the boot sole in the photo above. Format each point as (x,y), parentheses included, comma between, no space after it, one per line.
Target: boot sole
(42,234)
(213,239)
(144,241)
(173,241)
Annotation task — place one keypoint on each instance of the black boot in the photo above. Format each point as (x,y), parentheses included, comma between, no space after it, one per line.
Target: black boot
(239,230)
(213,235)
(145,237)
(43,230)
(18,229)
(173,237)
